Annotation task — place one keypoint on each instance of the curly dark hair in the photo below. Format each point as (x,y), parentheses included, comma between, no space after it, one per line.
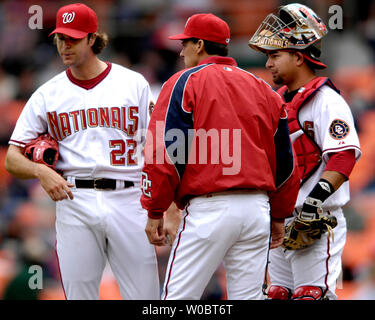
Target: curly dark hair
(100,43)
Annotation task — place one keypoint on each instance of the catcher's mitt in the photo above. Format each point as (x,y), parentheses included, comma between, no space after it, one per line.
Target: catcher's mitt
(300,233)
(43,149)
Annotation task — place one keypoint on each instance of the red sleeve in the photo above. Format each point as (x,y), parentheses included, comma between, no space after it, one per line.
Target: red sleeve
(287,181)
(168,130)
(159,176)
(342,162)
(283,200)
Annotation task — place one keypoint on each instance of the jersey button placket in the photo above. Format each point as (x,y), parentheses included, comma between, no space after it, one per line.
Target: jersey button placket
(95,147)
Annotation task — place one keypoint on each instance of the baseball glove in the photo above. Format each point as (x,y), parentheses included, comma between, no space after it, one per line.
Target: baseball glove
(301,233)
(43,149)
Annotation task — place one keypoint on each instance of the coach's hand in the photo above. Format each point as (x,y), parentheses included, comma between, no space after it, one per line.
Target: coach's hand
(155,232)
(171,223)
(277,233)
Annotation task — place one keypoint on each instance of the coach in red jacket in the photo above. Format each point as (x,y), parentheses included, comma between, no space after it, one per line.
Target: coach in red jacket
(218,145)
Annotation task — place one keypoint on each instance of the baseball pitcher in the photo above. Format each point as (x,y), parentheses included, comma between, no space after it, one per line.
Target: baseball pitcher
(93,110)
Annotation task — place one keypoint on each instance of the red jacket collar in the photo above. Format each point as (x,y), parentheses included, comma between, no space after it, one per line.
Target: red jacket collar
(219,60)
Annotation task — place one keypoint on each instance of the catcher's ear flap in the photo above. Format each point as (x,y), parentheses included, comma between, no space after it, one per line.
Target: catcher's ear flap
(49,156)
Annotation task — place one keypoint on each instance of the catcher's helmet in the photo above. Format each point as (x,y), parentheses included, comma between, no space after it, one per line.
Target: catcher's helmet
(296,27)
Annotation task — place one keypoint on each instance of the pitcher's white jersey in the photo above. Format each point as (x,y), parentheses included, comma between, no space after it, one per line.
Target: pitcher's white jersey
(105,123)
(328,117)
(95,123)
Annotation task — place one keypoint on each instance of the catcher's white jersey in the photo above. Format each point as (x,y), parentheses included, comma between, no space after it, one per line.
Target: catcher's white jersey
(95,130)
(329,118)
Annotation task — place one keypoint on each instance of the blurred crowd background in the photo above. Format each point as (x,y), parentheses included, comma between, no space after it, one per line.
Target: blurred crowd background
(138,31)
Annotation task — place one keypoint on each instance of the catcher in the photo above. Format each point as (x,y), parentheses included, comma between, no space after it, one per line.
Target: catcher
(321,127)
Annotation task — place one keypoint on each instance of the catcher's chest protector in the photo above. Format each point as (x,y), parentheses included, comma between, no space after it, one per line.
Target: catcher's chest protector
(307,151)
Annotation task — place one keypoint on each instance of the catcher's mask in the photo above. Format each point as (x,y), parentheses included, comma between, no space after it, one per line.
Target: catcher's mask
(296,27)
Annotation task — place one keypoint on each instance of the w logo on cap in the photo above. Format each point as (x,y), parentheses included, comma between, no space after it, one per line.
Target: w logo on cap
(76,20)
(68,17)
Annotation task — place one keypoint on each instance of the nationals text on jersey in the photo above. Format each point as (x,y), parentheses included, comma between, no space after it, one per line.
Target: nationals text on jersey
(64,124)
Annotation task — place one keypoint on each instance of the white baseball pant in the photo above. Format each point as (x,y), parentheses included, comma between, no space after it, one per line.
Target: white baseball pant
(100,225)
(318,265)
(228,227)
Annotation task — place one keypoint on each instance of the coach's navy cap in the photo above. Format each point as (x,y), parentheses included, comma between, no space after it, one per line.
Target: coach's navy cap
(205,26)
(76,20)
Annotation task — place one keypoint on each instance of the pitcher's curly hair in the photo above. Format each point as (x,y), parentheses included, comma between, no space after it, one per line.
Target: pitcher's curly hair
(100,43)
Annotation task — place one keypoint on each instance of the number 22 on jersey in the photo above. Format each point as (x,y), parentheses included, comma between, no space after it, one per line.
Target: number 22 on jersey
(123,153)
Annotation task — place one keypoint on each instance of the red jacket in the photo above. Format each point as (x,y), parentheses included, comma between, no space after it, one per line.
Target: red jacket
(246,130)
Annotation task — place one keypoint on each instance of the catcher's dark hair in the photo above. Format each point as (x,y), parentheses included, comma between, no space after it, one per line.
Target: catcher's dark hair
(100,43)
(311,65)
(213,48)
